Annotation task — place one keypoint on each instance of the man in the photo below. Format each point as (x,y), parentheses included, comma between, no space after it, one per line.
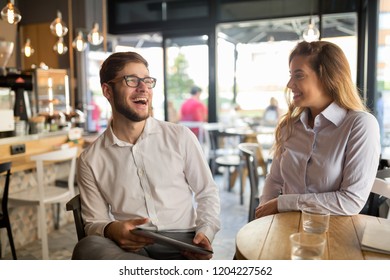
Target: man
(142,172)
(193,110)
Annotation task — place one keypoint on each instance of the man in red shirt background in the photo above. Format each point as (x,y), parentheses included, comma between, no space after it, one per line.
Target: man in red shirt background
(193,110)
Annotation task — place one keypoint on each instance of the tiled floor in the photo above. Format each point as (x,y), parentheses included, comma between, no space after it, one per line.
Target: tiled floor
(233,217)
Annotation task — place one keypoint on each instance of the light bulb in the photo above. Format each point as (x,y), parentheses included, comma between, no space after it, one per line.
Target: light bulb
(27,50)
(58,27)
(60,48)
(10,13)
(311,33)
(79,44)
(95,37)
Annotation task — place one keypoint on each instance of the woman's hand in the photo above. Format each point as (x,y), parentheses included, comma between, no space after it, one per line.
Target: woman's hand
(201,240)
(121,233)
(268,208)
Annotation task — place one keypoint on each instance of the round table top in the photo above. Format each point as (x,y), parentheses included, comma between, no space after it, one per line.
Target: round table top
(267,238)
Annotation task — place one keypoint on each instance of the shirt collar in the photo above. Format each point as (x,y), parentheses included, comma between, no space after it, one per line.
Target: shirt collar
(333,113)
(151,127)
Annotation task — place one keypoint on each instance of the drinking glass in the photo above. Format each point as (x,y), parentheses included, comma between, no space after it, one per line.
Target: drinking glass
(315,219)
(307,246)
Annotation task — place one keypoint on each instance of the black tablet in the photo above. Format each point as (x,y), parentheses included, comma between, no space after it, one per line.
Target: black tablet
(166,238)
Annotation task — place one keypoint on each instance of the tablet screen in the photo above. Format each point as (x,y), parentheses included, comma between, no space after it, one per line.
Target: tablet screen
(166,238)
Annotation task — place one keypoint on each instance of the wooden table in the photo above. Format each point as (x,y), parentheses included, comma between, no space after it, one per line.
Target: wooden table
(267,238)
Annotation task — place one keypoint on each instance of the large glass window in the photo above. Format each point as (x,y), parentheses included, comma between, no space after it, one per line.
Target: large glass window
(253,60)
(187,66)
(382,108)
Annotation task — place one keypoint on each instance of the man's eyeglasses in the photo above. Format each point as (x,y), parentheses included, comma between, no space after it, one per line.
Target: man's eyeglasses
(133,81)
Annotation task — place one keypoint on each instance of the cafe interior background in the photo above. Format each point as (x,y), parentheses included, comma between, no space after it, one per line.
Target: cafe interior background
(235,50)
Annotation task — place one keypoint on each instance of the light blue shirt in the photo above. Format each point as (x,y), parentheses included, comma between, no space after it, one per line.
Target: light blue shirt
(332,165)
(164,177)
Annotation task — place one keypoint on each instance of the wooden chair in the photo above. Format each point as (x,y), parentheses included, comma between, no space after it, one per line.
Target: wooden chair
(75,205)
(4,217)
(45,193)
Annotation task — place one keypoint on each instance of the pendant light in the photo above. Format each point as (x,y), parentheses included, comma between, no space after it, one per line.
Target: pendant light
(79,43)
(60,47)
(95,37)
(58,27)
(311,32)
(27,50)
(10,13)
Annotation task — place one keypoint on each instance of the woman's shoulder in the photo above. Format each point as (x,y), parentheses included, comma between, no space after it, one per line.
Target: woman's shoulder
(361,116)
(362,119)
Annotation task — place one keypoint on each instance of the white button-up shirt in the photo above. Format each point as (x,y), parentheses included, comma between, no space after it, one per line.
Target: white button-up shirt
(332,165)
(164,177)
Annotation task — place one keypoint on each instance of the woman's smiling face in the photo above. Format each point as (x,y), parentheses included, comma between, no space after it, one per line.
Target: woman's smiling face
(306,87)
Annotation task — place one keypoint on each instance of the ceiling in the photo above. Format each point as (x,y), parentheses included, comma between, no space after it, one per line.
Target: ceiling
(251,32)
(286,29)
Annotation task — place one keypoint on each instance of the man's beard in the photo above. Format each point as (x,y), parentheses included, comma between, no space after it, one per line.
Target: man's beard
(128,112)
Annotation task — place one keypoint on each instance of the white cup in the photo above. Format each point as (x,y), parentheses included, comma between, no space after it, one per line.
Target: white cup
(307,246)
(315,219)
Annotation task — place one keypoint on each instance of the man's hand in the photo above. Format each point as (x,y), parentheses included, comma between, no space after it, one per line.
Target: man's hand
(201,240)
(121,233)
(268,208)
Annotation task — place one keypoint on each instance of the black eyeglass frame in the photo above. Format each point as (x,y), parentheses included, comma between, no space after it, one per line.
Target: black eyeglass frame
(138,81)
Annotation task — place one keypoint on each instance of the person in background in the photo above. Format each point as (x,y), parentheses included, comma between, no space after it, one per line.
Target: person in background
(327,145)
(272,113)
(95,116)
(193,110)
(142,172)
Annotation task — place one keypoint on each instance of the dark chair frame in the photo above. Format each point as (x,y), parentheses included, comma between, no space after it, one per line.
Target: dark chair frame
(375,200)
(249,150)
(4,217)
(75,205)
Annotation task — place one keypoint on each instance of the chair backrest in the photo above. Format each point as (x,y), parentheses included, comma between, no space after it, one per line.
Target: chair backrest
(211,130)
(379,193)
(75,205)
(195,125)
(63,155)
(251,151)
(383,173)
(381,187)
(5,167)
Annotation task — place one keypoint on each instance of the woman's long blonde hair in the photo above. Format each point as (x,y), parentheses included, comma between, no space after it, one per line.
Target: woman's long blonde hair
(332,68)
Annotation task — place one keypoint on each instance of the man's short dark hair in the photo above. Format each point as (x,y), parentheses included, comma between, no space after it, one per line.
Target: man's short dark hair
(116,62)
(195,90)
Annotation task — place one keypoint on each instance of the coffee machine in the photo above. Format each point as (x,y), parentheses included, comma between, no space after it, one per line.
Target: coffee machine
(18,83)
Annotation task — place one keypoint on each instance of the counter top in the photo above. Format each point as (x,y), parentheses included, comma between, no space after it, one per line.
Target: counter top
(34,144)
(29,137)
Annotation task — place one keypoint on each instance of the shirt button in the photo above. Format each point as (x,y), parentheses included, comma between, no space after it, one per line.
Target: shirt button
(140,172)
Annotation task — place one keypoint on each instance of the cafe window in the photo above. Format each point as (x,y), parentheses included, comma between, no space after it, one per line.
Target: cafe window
(253,60)
(382,108)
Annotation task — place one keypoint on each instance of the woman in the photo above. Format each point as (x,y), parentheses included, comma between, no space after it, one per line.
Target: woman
(327,145)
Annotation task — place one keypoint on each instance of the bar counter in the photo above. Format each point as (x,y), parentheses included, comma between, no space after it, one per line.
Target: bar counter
(34,144)
(24,219)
